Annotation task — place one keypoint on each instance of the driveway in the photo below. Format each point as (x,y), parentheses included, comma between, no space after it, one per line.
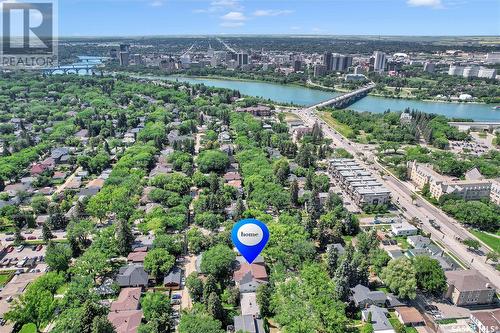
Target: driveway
(189,267)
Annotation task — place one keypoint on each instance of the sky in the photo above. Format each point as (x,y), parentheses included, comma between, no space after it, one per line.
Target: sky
(321,17)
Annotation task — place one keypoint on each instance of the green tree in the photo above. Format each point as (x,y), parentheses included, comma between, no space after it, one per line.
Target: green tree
(58,256)
(195,287)
(218,261)
(157,311)
(124,237)
(40,204)
(263,296)
(158,262)
(399,276)
(212,161)
(214,306)
(46,233)
(294,193)
(101,324)
(281,170)
(199,323)
(332,259)
(429,274)
(472,243)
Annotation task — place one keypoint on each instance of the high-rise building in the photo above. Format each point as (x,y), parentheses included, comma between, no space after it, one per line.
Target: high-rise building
(297,65)
(242,59)
(124,54)
(328,61)
(124,47)
(429,67)
(456,70)
(471,71)
(113,53)
(124,58)
(319,70)
(487,73)
(379,61)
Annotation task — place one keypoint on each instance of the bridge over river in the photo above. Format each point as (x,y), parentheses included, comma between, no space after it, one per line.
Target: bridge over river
(345,100)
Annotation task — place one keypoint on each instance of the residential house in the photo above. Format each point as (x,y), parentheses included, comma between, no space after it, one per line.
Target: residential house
(364,297)
(136,257)
(126,321)
(469,287)
(60,154)
(340,249)
(132,275)
(418,242)
(249,276)
(379,320)
(128,299)
(486,321)
(409,316)
(173,279)
(403,229)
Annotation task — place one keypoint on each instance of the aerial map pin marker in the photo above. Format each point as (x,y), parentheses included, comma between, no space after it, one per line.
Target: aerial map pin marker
(250,236)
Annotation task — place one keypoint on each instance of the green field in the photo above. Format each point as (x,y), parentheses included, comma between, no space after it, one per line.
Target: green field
(338,126)
(490,240)
(5,277)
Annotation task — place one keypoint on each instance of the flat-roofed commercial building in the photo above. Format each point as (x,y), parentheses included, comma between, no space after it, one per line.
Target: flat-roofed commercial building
(358,183)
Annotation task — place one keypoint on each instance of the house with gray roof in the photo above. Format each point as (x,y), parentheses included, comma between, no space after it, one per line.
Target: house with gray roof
(248,324)
(132,275)
(379,320)
(418,242)
(364,297)
(173,279)
(337,246)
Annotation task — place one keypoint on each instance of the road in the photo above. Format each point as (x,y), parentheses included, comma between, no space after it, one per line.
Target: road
(402,193)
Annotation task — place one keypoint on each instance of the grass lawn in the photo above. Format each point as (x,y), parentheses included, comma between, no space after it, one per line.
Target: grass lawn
(5,277)
(28,328)
(491,241)
(341,128)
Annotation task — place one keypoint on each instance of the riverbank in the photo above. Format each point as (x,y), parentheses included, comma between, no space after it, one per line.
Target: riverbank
(303,95)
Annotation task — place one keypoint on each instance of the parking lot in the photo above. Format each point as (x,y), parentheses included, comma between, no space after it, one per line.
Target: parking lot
(23,257)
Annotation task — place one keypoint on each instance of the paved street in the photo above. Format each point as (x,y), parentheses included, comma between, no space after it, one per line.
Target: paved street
(450,228)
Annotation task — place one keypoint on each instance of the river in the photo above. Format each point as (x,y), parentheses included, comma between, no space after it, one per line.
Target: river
(307,96)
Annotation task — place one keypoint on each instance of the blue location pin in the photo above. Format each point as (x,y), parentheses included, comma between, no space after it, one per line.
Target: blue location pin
(250,236)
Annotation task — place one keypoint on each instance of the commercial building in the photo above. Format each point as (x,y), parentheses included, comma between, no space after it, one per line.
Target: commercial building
(487,73)
(468,189)
(495,192)
(470,71)
(242,59)
(493,58)
(379,61)
(430,67)
(456,70)
(124,55)
(358,183)
(469,287)
(335,62)
(319,70)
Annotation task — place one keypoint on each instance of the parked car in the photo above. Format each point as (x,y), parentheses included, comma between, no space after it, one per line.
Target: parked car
(31,237)
(39,247)
(20,248)
(9,239)
(175,302)
(28,232)
(10,249)
(176,296)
